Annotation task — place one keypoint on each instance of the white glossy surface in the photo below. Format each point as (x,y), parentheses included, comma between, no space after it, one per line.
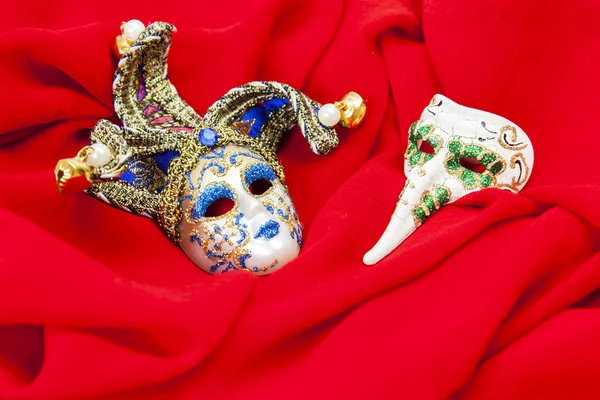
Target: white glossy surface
(452,122)
(100,156)
(329,115)
(132,29)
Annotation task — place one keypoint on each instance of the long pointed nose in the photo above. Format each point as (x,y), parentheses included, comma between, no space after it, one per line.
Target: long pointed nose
(417,201)
(400,226)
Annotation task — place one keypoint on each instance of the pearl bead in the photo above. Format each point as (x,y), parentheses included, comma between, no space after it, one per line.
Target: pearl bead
(132,29)
(329,115)
(100,156)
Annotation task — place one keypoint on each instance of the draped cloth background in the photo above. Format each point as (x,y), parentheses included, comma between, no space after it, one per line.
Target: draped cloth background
(494,297)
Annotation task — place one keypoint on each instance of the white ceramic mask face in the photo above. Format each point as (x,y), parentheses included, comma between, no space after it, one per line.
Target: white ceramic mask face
(260,233)
(452,151)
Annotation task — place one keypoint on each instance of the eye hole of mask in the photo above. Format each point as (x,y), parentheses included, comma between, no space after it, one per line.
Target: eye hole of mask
(260,186)
(425,147)
(219,207)
(259,178)
(214,201)
(472,164)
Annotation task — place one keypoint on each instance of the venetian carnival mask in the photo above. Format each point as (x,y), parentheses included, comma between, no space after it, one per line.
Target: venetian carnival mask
(259,232)
(453,151)
(213,183)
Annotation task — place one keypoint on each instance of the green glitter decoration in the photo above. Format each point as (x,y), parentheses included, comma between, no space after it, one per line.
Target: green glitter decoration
(434,141)
(472,151)
(455,146)
(487,159)
(486,181)
(419,215)
(453,164)
(411,130)
(492,162)
(442,195)
(496,167)
(429,203)
(424,130)
(413,155)
(468,177)
(414,158)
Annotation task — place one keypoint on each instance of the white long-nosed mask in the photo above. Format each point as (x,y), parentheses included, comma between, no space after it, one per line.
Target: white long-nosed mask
(453,151)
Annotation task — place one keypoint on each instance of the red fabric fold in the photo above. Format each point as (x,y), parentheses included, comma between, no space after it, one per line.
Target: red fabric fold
(495,296)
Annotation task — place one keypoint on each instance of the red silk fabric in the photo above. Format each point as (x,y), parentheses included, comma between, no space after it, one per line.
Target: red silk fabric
(494,297)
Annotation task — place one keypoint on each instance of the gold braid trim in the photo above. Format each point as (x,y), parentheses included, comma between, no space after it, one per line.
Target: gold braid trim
(301,110)
(147,58)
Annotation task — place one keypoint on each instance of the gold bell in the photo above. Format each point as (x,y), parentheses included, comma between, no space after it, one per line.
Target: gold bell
(73,174)
(352,109)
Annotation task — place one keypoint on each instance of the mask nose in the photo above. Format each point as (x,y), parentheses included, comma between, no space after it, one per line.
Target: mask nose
(253,207)
(419,199)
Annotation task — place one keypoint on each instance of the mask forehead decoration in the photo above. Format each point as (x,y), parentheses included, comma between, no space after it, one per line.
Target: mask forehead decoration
(213,183)
(453,151)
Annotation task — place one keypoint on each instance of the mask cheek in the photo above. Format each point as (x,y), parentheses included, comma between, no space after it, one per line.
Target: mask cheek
(217,238)
(280,207)
(214,243)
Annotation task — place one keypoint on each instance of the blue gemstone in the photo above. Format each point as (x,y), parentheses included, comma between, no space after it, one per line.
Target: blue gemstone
(208,137)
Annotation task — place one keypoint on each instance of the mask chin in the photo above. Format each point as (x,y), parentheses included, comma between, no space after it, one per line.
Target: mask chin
(259,233)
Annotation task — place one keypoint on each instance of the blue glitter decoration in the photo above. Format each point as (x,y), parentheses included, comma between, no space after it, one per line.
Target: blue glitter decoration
(238,220)
(251,154)
(184,198)
(268,230)
(270,209)
(242,237)
(212,164)
(229,267)
(211,254)
(242,259)
(195,238)
(208,137)
(208,196)
(259,171)
(241,226)
(284,216)
(214,153)
(296,233)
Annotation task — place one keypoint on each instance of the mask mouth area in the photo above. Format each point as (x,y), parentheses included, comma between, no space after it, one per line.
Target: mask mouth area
(268,230)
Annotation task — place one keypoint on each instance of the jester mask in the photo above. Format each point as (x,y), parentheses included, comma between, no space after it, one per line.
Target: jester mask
(213,183)
(453,151)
